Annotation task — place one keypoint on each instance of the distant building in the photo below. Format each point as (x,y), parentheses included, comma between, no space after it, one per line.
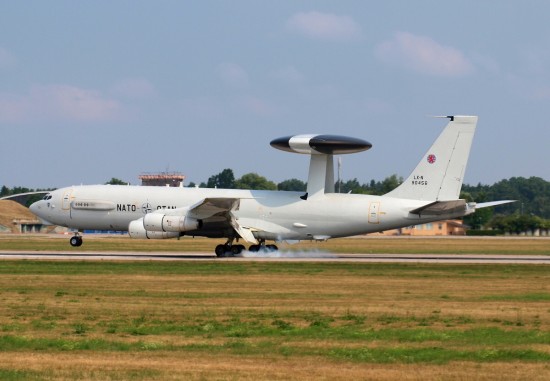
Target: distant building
(439,228)
(162,179)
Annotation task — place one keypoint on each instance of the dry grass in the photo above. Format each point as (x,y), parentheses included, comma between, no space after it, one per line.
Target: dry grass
(10,210)
(182,366)
(272,321)
(366,244)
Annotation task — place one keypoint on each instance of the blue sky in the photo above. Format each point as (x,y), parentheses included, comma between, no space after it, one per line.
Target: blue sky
(94,90)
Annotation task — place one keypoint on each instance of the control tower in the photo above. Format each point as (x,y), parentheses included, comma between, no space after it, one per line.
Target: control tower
(162,179)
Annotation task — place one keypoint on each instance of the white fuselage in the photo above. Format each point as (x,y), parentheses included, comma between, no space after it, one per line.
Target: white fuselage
(273,215)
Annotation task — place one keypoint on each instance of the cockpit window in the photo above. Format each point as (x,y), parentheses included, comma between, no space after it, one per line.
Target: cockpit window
(47,197)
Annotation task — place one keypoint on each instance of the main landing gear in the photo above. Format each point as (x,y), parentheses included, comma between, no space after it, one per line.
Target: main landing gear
(230,250)
(263,248)
(76,240)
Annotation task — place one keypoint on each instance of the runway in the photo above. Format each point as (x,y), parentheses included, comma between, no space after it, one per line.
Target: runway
(301,256)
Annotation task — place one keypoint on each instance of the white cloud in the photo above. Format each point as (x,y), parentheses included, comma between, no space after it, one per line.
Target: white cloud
(6,59)
(257,106)
(534,62)
(201,107)
(58,102)
(135,88)
(211,108)
(233,75)
(377,106)
(541,93)
(486,63)
(324,26)
(12,108)
(288,74)
(424,55)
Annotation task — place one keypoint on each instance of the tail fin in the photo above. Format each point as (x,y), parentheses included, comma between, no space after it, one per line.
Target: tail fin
(439,175)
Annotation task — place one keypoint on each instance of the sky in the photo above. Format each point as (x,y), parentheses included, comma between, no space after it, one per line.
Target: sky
(100,89)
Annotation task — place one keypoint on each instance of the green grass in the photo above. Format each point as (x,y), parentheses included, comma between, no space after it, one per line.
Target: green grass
(529,297)
(16,375)
(435,353)
(214,268)
(342,313)
(364,245)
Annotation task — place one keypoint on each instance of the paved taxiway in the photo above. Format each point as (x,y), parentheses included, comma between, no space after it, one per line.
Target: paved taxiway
(279,256)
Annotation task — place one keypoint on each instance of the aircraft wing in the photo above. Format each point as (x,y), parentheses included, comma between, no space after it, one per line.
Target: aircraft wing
(219,211)
(209,207)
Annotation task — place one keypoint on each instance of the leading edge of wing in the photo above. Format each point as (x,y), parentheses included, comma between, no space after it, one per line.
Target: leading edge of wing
(210,206)
(207,207)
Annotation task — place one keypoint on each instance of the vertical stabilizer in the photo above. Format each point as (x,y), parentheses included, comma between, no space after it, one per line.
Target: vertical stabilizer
(439,174)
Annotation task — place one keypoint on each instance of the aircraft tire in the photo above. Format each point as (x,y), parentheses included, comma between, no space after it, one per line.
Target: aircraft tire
(220,250)
(254,248)
(236,249)
(272,247)
(75,241)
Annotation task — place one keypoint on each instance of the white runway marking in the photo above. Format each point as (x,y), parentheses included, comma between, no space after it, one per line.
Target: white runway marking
(285,255)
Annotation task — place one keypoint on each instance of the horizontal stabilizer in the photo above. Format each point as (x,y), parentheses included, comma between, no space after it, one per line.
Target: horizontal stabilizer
(493,203)
(440,207)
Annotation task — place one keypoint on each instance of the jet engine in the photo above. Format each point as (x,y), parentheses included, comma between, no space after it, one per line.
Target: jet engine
(167,223)
(136,230)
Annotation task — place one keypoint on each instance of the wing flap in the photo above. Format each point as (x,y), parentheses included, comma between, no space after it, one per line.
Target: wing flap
(245,233)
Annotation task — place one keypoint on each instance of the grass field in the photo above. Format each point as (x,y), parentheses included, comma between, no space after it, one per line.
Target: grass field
(275,321)
(362,245)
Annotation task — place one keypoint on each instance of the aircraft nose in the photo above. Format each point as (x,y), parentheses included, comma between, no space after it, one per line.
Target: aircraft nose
(36,207)
(40,210)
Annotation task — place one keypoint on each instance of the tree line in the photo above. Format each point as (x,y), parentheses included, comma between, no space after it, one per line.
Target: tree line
(226,180)
(530,211)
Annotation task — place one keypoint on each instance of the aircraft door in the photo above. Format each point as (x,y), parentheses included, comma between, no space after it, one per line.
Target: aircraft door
(66,201)
(374,212)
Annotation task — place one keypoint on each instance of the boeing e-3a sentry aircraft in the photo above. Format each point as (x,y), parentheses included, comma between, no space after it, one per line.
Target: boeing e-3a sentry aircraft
(430,193)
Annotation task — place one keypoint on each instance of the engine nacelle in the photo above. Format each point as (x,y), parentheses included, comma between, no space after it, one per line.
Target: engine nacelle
(136,230)
(156,222)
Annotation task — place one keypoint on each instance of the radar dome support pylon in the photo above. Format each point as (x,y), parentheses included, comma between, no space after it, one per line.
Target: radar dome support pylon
(321,149)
